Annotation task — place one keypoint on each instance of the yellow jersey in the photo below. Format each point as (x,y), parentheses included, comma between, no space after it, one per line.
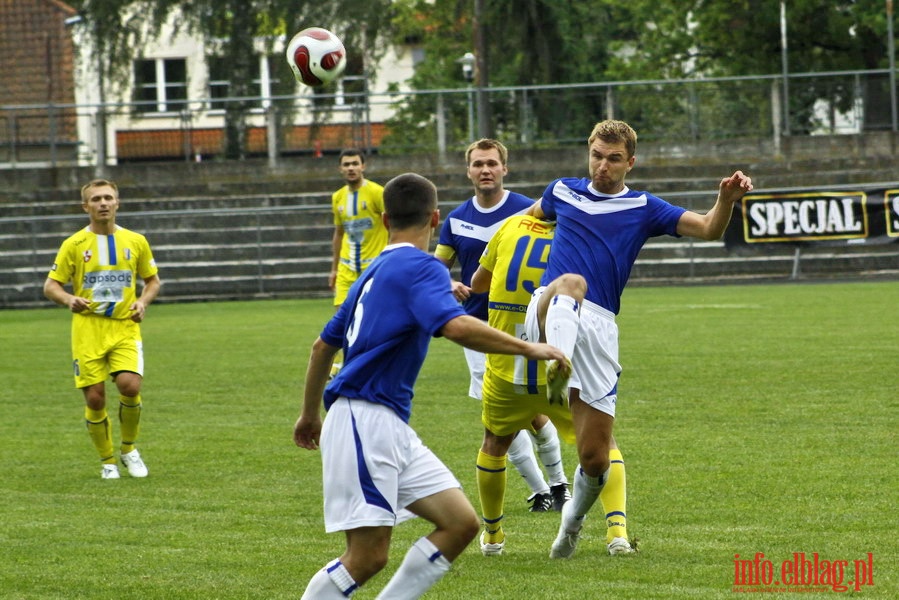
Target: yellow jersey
(103,269)
(516,255)
(359,213)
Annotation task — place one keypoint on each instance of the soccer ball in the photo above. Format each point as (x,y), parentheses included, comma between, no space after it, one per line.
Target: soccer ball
(316,56)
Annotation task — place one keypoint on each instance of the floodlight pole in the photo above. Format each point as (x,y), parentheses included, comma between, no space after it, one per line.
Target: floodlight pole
(481,76)
(891,50)
(785,67)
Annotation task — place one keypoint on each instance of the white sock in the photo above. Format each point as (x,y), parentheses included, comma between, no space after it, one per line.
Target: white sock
(550,451)
(521,454)
(423,566)
(562,321)
(586,491)
(332,582)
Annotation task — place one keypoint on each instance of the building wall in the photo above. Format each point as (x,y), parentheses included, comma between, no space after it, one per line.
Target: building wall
(36,62)
(132,135)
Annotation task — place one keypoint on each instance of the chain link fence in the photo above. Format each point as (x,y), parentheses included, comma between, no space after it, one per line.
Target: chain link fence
(434,122)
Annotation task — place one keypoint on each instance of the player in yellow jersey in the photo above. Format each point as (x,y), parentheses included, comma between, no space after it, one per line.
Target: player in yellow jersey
(103,262)
(514,395)
(359,231)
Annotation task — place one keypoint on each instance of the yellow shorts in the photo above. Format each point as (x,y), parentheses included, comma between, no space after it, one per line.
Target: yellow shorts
(102,346)
(507,408)
(345,278)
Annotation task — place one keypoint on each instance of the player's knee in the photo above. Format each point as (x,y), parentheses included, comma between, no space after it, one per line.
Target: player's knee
(95,397)
(594,461)
(468,528)
(128,384)
(365,567)
(571,284)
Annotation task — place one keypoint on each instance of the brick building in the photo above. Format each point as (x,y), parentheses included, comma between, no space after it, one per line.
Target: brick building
(36,70)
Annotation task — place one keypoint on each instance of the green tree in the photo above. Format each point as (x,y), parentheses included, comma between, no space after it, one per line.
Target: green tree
(527,43)
(696,38)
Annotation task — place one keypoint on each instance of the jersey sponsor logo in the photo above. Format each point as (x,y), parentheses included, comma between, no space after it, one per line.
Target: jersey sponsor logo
(121,279)
(597,205)
(356,228)
(470,230)
(509,307)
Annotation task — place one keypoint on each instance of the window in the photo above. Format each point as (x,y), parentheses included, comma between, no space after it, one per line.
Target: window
(159,84)
(264,81)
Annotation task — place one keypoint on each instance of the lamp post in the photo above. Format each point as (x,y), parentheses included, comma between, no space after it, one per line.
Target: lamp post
(785,67)
(467,61)
(891,48)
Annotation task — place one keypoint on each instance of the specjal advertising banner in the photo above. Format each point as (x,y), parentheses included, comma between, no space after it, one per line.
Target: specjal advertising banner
(856,215)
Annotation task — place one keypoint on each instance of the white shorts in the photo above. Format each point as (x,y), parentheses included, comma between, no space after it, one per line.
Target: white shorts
(477,365)
(595,367)
(373,466)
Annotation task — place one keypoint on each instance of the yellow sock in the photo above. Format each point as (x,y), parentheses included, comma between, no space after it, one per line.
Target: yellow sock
(492,491)
(129,420)
(614,498)
(100,430)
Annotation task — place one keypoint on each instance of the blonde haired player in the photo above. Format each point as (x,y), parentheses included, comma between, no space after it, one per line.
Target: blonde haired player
(514,394)
(103,262)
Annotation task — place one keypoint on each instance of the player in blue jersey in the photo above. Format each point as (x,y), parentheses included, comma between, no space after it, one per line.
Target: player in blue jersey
(601,224)
(373,463)
(103,263)
(463,237)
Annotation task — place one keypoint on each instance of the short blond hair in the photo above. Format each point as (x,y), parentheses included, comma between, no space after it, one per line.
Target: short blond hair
(615,132)
(487,144)
(95,183)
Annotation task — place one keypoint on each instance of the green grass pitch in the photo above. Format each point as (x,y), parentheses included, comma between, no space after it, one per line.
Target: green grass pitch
(753,419)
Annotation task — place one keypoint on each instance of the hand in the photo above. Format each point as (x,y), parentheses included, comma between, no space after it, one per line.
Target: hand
(77,304)
(307,432)
(734,187)
(461,292)
(138,310)
(545,352)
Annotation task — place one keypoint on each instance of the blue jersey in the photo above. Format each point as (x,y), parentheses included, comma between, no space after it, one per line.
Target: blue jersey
(385,325)
(468,228)
(599,236)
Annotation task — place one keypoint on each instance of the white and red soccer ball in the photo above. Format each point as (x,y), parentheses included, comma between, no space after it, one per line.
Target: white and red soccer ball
(316,56)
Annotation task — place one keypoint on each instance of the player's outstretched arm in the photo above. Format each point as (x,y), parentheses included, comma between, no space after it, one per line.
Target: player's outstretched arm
(477,335)
(712,224)
(308,428)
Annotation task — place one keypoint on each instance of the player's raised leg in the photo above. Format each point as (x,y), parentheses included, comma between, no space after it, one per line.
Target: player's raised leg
(558,311)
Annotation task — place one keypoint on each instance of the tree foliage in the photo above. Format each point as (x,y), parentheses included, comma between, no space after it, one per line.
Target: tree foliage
(540,42)
(537,42)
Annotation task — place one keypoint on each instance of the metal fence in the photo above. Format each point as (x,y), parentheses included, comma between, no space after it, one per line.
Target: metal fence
(438,121)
